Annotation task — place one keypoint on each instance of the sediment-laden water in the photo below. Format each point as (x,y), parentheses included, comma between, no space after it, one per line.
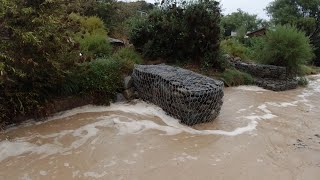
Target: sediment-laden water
(259,134)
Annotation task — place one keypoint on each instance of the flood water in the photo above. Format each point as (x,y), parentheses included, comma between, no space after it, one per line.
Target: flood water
(259,134)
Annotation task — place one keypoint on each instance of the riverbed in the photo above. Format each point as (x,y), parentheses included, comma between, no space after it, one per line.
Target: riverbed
(259,134)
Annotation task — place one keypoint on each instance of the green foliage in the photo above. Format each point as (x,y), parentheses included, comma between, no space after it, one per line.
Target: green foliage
(309,70)
(234,48)
(286,46)
(92,36)
(93,25)
(241,20)
(129,57)
(304,14)
(95,45)
(233,77)
(37,50)
(100,77)
(254,46)
(115,14)
(180,33)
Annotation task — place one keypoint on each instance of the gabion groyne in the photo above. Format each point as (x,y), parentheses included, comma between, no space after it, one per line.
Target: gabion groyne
(183,94)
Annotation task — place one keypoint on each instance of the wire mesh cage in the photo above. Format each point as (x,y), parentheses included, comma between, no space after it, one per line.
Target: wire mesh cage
(183,94)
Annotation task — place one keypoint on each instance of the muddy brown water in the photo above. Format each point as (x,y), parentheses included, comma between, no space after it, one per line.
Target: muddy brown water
(259,135)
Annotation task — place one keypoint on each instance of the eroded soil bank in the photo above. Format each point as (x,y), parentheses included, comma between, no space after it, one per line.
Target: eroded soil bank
(259,135)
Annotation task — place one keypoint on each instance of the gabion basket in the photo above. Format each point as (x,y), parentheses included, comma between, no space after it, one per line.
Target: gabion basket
(183,94)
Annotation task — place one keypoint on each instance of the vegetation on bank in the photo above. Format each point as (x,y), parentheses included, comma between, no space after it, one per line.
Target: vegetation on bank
(49,49)
(53,49)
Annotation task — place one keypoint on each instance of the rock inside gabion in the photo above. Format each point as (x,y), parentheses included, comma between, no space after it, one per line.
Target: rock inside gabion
(183,94)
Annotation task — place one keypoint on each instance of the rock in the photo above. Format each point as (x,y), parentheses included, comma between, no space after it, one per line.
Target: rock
(128,82)
(183,94)
(128,93)
(237,59)
(120,98)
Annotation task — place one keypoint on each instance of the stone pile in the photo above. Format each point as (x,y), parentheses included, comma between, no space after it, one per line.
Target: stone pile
(128,92)
(260,70)
(183,94)
(266,76)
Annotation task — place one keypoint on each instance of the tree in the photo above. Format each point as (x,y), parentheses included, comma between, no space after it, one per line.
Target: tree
(180,33)
(304,14)
(241,20)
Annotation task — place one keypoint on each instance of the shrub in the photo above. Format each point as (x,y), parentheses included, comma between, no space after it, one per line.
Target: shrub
(233,77)
(180,33)
(234,48)
(95,45)
(93,25)
(92,36)
(129,57)
(286,46)
(37,50)
(309,70)
(101,77)
(255,45)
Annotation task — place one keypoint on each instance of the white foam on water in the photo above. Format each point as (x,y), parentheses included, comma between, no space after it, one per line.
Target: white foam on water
(43,173)
(94,174)
(263,108)
(83,134)
(129,162)
(283,104)
(250,88)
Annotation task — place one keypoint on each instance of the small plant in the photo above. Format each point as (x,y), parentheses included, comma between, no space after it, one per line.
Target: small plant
(95,45)
(308,70)
(128,56)
(233,77)
(234,48)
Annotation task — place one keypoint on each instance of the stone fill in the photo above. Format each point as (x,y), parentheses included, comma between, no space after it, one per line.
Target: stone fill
(183,94)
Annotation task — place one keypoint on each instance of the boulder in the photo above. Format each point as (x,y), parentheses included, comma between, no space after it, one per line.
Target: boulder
(129,93)
(128,82)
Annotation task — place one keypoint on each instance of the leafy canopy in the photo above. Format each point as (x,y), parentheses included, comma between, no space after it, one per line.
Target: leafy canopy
(304,14)
(241,20)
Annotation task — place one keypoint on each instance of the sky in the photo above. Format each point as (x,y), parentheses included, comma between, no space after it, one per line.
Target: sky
(250,6)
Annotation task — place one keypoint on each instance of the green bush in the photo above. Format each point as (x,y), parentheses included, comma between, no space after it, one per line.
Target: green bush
(93,25)
(286,46)
(234,48)
(309,70)
(37,51)
(233,77)
(129,57)
(95,45)
(92,36)
(102,77)
(254,45)
(180,33)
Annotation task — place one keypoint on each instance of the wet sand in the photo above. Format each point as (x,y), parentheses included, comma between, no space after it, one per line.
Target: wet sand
(259,134)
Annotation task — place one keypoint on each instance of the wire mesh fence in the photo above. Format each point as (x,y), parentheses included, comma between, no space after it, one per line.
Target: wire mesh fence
(183,94)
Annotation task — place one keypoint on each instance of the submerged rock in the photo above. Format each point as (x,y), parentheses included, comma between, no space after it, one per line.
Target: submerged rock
(127,82)
(185,95)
